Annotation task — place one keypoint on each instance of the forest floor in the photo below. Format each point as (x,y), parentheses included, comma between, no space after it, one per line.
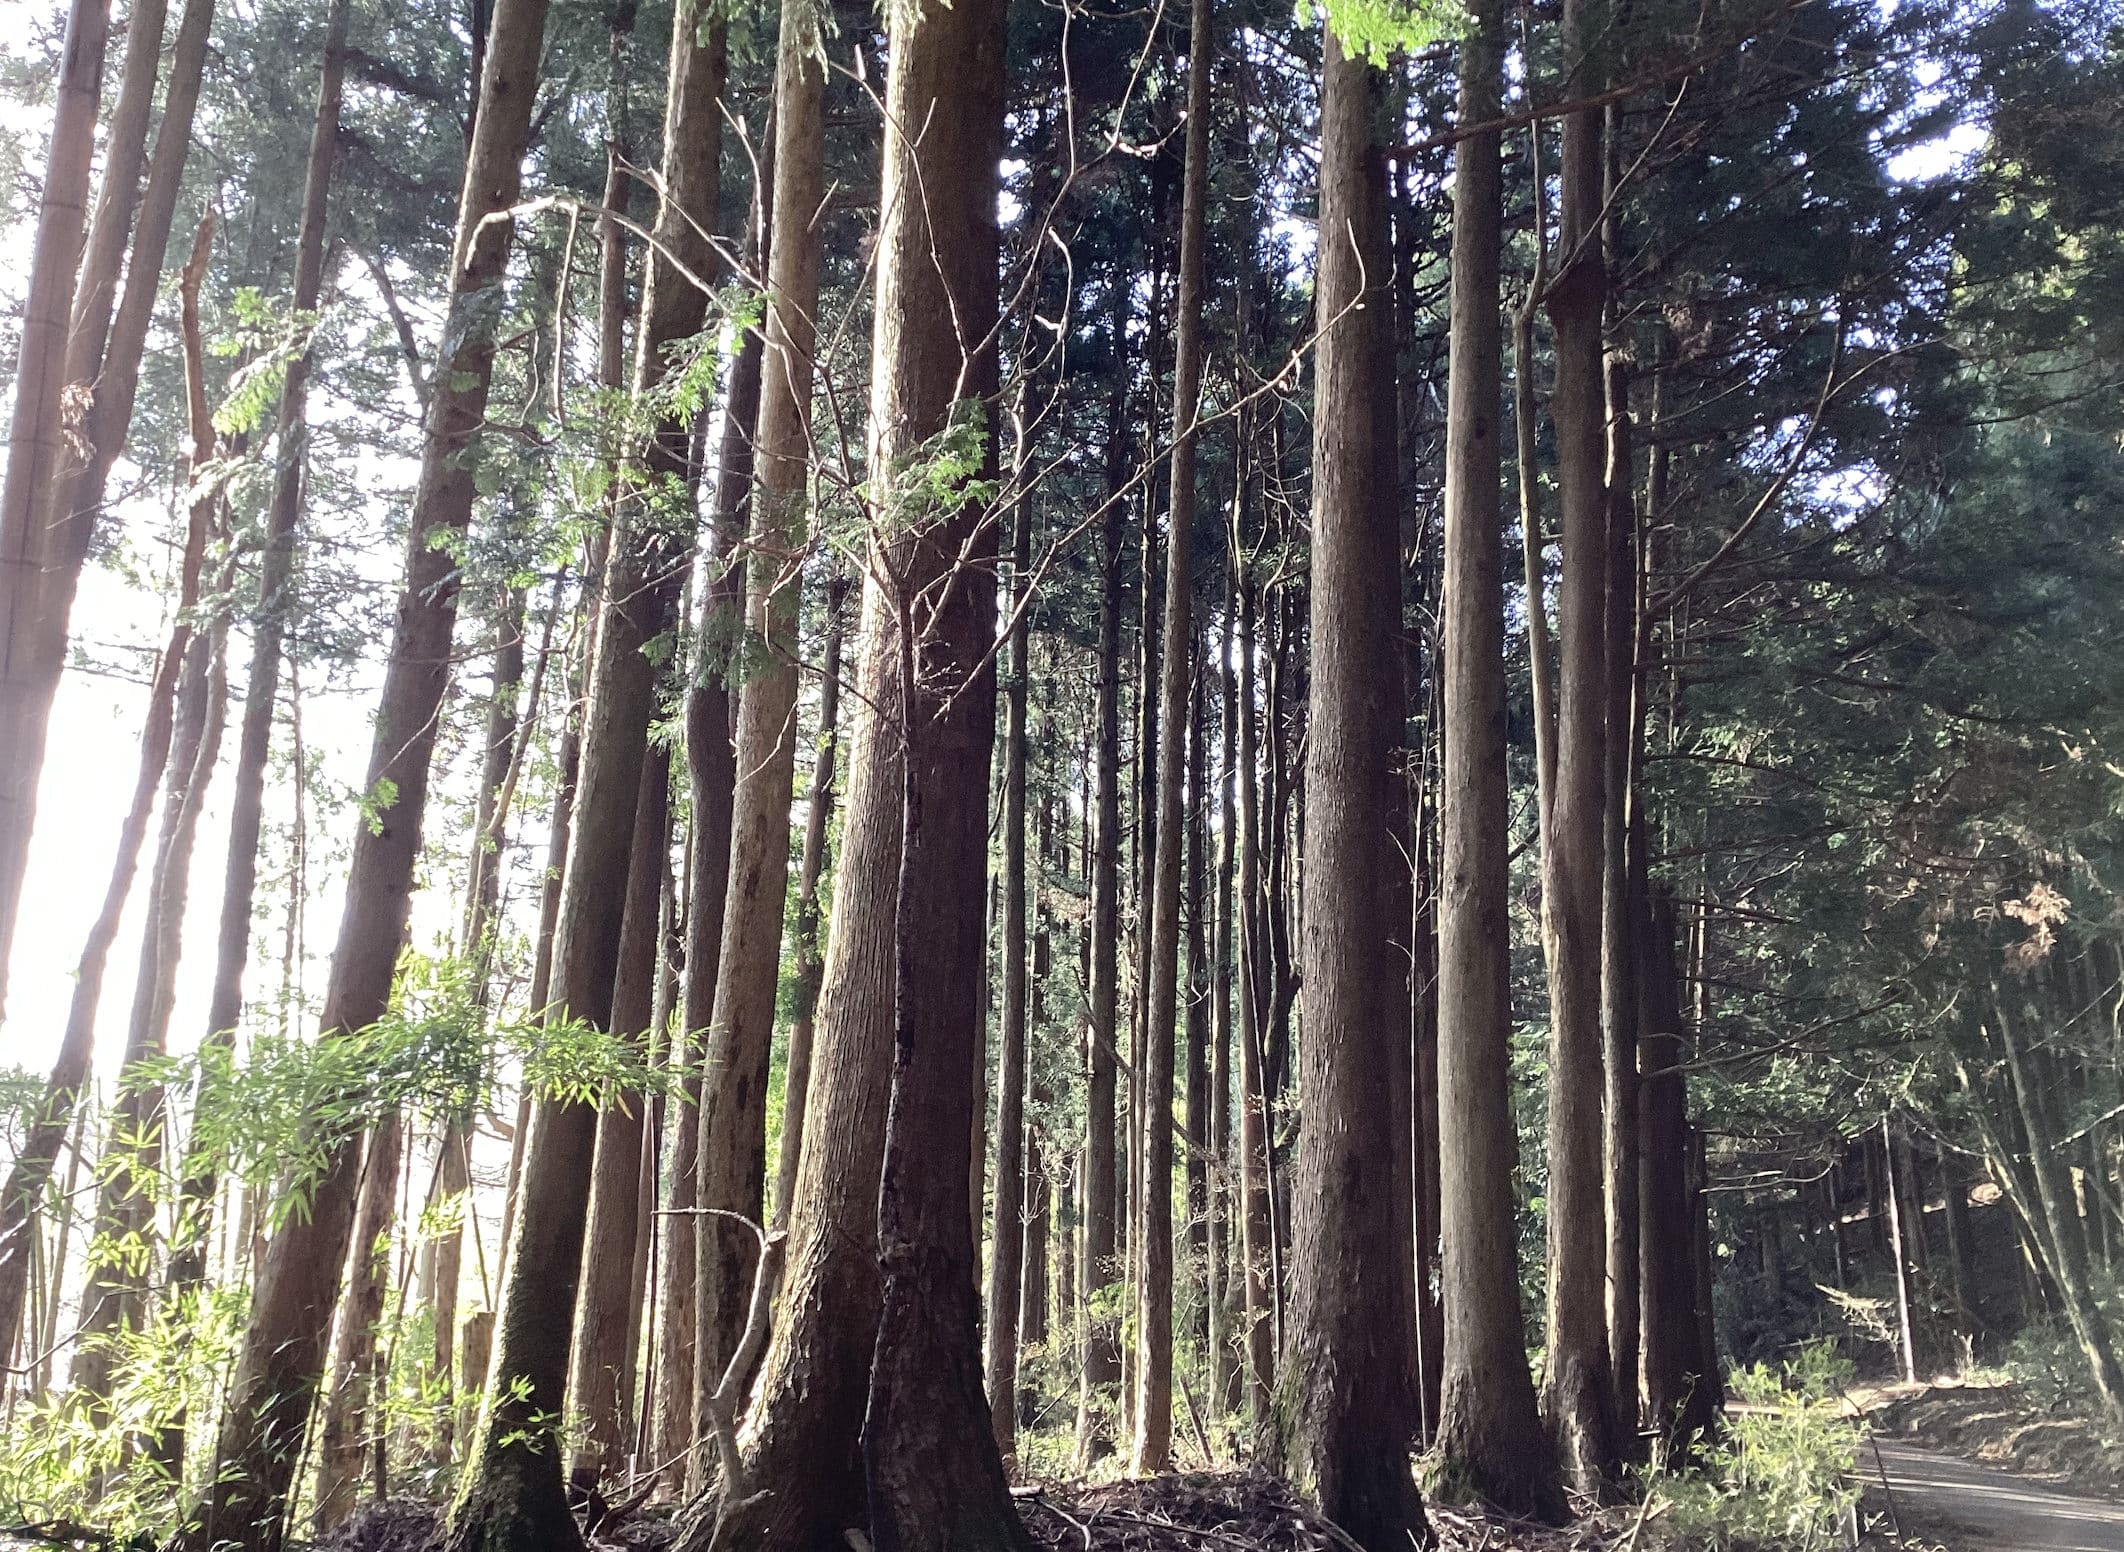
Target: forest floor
(1192,1512)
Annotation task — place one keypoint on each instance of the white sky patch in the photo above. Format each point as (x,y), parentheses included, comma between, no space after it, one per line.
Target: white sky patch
(1939,157)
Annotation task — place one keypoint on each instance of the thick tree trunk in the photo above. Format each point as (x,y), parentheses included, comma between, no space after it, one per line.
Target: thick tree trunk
(1577,1386)
(277,1372)
(35,448)
(801,1451)
(733,1115)
(268,627)
(934,1477)
(711,774)
(1490,1437)
(1348,1410)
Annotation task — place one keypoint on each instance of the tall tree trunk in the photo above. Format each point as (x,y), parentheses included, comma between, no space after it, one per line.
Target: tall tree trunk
(277,1371)
(802,1453)
(1677,1381)
(647,579)
(1622,889)
(711,775)
(500,761)
(35,448)
(1490,1436)
(1006,1260)
(1577,1387)
(1196,1096)
(1257,1247)
(809,962)
(1541,663)
(349,1402)
(1899,1249)
(1100,1369)
(2065,1248)
(733,1114)
(1154,1308)
(115,1299)
(934,1477)
(268,628)
(1220,1281)
(601,1366)
(1348,1410)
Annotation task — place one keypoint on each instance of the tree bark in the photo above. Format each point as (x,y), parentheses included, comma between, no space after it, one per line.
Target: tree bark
(1622,892)
(349,1397)
(733,1114)
(933,1475)
(1154,1309)
(115,1298)
(1222,1304)
(1006,1259)
(801,1437)
(600,1383)
(1257,1239)
(809,961)
(1100,1369)
(268,628)
(277,1372)
(1348,1410)
(1677,1378)
(1899,1250)
(1578,1389)
(2066,1249)
(1490,1437)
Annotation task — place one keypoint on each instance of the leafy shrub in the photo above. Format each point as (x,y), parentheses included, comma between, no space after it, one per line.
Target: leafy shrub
(1782,1474)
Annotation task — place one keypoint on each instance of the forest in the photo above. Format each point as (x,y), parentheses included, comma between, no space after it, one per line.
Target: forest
(972,775)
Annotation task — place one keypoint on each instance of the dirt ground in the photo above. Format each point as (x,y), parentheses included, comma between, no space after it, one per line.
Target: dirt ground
(1202,1512)
(2003,1425)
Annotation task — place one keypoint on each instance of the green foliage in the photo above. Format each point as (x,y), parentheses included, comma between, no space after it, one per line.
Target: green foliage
(267,339)
(273,1115)
(940,476)
(1783,1473)
(65,1458)
(1377,30)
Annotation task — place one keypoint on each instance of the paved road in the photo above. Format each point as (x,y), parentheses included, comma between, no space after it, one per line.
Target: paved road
(1971,1506)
